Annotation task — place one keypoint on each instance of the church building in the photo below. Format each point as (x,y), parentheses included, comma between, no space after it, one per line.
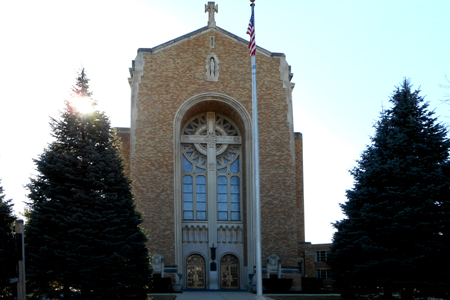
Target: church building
(189,153)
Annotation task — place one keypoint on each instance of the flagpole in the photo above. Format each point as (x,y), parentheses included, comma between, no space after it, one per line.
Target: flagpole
(256,192)
(256,184)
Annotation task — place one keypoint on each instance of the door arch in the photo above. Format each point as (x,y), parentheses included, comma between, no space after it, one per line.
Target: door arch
(229,272)
(196,272)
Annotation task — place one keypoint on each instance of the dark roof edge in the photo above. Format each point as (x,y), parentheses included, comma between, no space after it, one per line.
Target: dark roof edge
(172,41)
(239,39)
(122,129)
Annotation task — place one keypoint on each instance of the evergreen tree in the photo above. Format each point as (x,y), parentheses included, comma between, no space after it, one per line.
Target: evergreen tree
(83,235)
(81,87)
(396,231)
(6,221)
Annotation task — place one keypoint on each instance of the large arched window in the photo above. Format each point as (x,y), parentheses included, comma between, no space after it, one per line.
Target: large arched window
(211,155)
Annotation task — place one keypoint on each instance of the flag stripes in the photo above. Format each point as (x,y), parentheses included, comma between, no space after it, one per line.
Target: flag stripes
(251,32)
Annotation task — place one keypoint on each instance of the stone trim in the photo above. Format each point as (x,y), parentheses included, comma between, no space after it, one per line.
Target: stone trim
(202,31)
(135,80)
(122,129)
(285,74)
(170,270)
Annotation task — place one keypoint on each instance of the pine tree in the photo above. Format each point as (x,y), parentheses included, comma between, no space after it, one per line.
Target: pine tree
(81,88)
(83,235)
(396,231)
(6,221)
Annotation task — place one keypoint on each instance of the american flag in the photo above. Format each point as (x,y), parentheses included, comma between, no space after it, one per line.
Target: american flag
(251,32)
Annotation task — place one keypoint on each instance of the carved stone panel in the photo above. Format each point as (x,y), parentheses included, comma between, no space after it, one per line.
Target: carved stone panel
(273,262)
(158,263)
(230,234)
(195,233)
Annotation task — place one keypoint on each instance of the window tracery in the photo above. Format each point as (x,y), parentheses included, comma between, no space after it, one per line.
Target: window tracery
(197,136)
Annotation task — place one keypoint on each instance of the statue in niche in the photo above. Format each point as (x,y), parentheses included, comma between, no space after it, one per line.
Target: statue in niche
(212,66)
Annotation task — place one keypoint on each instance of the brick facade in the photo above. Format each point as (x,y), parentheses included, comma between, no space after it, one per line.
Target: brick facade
(167,77)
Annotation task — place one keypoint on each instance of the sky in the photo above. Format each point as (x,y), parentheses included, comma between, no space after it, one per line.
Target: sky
(347,57)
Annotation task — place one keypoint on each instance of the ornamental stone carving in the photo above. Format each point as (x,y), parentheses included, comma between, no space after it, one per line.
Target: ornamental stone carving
(158,263)
(195,233)
(273,265)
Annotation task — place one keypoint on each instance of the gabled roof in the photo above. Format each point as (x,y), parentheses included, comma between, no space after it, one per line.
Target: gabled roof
(204,30)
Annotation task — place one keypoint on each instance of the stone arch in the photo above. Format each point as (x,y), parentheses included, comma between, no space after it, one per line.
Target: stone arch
(195,253)
(236,111)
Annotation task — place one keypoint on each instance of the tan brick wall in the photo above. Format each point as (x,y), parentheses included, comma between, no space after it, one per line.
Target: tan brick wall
(299,185)
(309,263)
(321,247)
(172,76)
(308,251)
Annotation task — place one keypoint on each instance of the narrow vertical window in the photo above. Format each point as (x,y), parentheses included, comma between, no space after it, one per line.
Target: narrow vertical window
(201,197)
(188,204)
(222,198)
(194,183)
(235,198)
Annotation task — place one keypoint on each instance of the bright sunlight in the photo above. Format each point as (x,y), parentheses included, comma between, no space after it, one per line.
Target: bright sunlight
(82,104)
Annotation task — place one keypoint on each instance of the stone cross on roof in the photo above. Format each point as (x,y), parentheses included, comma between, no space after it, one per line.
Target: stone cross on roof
(211,8)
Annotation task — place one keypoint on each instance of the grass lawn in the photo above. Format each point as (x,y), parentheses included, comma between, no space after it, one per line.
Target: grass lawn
(162,297)
(300,297)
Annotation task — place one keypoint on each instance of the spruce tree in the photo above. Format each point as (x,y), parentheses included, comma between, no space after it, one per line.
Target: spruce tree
(6,221)
(396,231)
(81,87)
(83,237)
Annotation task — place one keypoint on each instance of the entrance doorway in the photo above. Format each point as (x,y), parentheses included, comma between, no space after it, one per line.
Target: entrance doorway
(229,272)
(195,270)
